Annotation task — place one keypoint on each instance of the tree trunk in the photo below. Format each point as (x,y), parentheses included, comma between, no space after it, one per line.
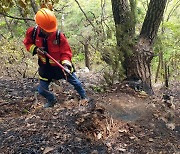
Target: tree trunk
(137,62)
(87,61)
(124,28)
(153,19)
(123,21)
(62,22)
(133,12)
(160,66)
(34,6)
(138,65)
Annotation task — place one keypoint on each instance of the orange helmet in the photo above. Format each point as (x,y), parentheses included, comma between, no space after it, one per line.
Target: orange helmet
(46,19)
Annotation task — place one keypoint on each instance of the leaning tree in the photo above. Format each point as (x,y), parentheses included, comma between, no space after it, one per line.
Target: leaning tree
(137,51)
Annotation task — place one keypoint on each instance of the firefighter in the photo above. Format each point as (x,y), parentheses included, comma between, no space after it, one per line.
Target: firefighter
(45,36)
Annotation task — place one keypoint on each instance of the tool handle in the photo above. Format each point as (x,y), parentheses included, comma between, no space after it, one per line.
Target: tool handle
(58,64)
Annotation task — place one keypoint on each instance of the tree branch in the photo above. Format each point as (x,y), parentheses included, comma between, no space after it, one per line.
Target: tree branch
(18,18)
(173,10)
(86,16)
(153,19)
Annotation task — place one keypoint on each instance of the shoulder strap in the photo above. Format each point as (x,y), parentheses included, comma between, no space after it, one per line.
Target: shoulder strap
(58,37)
(34,33)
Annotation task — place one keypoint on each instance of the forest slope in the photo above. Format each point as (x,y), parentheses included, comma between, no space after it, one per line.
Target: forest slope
(118,120)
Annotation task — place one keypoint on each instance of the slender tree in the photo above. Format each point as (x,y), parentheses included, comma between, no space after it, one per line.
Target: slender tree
(137,54)
(34,6)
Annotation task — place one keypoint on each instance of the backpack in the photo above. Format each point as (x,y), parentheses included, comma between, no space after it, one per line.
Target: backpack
(35,33)
(57,39)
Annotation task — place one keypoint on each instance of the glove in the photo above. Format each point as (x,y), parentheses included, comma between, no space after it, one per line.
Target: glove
(68,68)
(67,65)
(37,51)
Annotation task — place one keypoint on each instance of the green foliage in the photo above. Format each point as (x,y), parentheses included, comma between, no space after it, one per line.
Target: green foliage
(2,24)
(78,57)
(78,30)
(5,5)
(142,7)
(25,111)
(14,61)
(97,89)
(168,43)
(114,71)
(113,75)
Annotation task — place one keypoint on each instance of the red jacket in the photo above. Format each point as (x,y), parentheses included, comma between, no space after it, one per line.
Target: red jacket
(61,52)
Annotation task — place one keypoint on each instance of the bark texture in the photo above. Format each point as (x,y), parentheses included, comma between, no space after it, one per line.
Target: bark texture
(87,60)
(137,57)
(122,19)
(153,19)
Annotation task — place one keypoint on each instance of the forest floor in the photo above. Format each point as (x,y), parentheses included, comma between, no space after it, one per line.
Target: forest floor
(117,120)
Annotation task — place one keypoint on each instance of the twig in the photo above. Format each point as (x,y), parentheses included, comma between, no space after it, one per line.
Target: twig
(35,74)
(7,103)
(19,18)
(173,10)
(86,17)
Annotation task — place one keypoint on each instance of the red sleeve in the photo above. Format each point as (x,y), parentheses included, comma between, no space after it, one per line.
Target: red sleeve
(65,50)
(28,41)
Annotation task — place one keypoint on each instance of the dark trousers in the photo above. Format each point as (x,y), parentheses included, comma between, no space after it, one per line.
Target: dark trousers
(43,88)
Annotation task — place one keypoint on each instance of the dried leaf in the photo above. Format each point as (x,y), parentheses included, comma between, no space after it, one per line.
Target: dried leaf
(123,130)
(94,152)
(99,136)
(48,149)
(121,149)
(151,140)
(171,126)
